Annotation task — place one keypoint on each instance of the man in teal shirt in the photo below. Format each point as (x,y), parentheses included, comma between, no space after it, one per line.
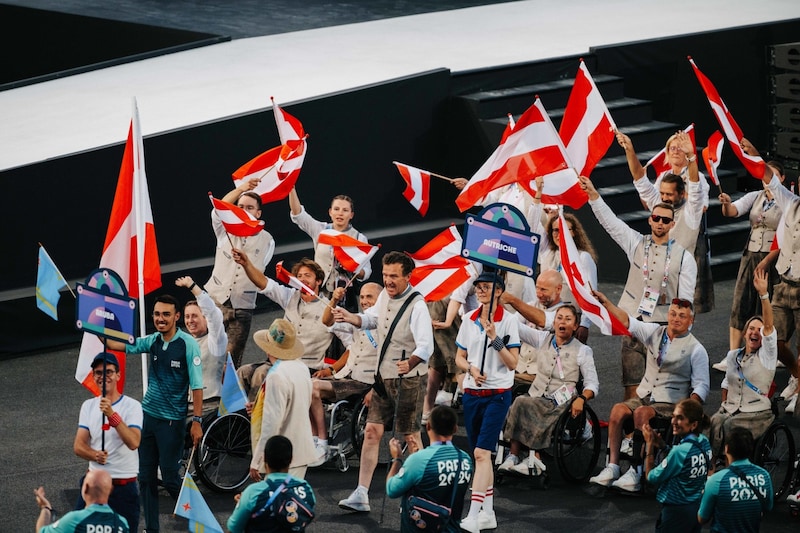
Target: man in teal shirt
(434,473)
(174,367)
(735,497)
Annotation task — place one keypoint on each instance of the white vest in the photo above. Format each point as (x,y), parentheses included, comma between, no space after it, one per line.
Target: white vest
(307,320)
(763,224)
(548,378)
(656,264)
(228,280)
(671,382)
(788,265)
(212,370)
(363,357)
(402,337)
(682,233)
(740,396)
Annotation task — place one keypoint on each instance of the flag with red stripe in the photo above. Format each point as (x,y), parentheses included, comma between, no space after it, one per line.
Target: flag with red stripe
(754,164)
(276,169)
(659,162)
(532,149)
(130,248)
(587,128)
(712,155)
(351,253)
(440,268)
(286,277)
(289,127)
(599,315)
(236,220)
(418,185)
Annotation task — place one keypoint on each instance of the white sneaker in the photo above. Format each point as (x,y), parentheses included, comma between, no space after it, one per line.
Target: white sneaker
(626,448)
(588,431)
(322,455)
(470,524)
(509,464)
(487,519)
(532,466)
(358,501)
(444,398)
(722,366)
(606,477)
(791,388)
(794,498)
(631,481)
(791,405)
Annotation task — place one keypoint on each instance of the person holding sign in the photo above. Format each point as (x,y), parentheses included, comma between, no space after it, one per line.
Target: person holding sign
(488,350)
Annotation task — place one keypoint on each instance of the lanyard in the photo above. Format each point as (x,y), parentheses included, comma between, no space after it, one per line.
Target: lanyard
(739,358)
(557,348)
(662,347)
(646,271)
(371,339)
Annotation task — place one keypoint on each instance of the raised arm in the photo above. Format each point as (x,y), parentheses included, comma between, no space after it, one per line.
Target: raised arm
(621,315)
(686,145)
(244,187)
(761,284)
(327,313)
(634,165)
(532,314)
(294,202)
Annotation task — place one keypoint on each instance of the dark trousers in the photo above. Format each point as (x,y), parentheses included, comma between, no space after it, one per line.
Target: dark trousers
(161,446)
(124,500)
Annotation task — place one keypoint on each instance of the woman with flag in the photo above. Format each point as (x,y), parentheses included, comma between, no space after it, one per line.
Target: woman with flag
(341,213)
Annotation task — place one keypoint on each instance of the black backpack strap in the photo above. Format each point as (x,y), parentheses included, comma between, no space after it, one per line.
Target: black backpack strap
(272,497)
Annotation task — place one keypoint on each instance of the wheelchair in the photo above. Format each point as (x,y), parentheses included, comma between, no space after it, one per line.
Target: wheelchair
(222,459)
(775,452)
(346,420)
(575,446)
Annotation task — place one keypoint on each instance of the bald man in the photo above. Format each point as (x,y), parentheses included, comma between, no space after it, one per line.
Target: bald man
(97,516)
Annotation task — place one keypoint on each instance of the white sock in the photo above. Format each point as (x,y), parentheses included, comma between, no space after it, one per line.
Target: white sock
(321,442)
(475,504)
(488,501)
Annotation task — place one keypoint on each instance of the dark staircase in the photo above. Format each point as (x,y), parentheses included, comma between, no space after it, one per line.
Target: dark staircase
(486,102)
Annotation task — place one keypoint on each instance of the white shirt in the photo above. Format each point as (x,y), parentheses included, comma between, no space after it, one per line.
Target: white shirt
(472,338)
(420,324)
(122,462)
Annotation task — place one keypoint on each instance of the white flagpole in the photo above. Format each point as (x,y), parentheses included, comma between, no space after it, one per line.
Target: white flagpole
(138,176)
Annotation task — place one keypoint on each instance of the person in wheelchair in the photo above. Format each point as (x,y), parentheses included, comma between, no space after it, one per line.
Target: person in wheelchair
(563,361)
(681,476)
(676,368)
(352,374)
(749,375)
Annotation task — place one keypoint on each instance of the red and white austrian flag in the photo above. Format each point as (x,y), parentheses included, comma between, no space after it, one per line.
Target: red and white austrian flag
(599,315)
(351,253)
(754,164)
(712,155)
(587,128)
(418,187)
(276,169)
(236,220)
(289,127)
(440,268)
(286,277)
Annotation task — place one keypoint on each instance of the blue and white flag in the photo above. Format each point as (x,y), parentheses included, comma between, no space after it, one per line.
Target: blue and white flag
(232,398)
(48,282)
(193,506)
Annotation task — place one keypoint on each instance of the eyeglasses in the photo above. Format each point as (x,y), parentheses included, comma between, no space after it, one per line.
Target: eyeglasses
(680,302)
(483,287)
(659,218)
(109,372)
(675,149)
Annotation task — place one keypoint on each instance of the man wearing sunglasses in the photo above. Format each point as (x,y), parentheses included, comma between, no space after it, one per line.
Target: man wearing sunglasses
(676,368)
(660,270)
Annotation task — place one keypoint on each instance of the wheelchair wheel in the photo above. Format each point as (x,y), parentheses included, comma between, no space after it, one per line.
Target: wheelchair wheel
(577,445)
(340,431)
(775,453)
(223,457)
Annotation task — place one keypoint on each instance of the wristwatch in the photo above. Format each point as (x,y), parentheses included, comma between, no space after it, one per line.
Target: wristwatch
(198,419)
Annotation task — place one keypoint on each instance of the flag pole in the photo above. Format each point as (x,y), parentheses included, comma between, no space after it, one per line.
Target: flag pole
(429,172)
(138,160)
(58,270)
(291,153)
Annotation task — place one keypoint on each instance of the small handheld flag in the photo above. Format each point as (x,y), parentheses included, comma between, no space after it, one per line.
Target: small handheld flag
(48,282)
(232,396)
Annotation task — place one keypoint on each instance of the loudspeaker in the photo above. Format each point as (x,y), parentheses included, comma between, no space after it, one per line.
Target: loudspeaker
(786,116)
(786,144)
(787,85)
(786,56)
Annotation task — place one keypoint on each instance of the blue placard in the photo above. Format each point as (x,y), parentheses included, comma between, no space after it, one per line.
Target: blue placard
(500,237)
(104,307)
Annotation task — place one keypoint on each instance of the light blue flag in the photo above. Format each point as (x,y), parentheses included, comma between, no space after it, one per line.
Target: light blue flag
(191,505)
(232,398)
(48,282)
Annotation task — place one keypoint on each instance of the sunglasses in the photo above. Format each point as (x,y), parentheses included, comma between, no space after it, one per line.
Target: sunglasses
(680,302)
(659,218)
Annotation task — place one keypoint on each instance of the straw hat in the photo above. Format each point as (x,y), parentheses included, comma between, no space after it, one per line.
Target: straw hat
(280,340)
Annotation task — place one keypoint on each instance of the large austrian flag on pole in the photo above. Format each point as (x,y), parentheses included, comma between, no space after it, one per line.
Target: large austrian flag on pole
(130,247)
(587,128)
(532,149)
(351,253)
(599,315)
(754,164)
(276,169)
(236,220)
(440,269)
